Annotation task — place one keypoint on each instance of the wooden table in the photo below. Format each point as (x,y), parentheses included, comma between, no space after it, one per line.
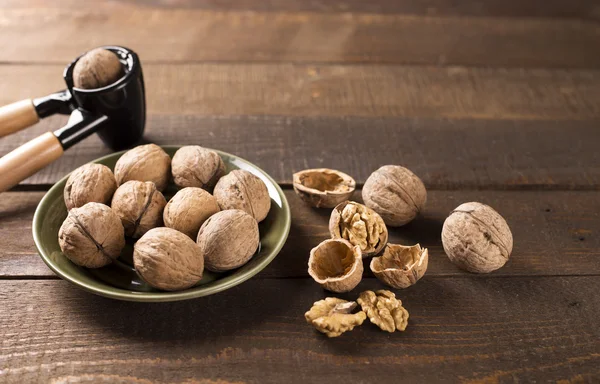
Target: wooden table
(491,100)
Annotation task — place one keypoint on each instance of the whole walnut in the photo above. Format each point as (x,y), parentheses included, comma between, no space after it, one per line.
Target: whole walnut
(140,206)
(189,209)
(194,166)
(477,238)
(96,69)
(242,190)
(89,183)
(144,163)
(91,236)
(228,240)
(168,260)
(396,193)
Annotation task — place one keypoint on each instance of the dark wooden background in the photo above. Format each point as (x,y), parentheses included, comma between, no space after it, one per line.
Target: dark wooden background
(490,100)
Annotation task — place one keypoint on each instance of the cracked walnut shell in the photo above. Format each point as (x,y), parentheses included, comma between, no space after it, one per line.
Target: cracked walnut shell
(396,193)
(400,266)
(194,166)
(140,206)
(333,316)
(476,238)
(336,265)
(360,225)
(144,163)
(384,310)
(189,209)
(322,187)
(240,189)
(91,236)
(89,183)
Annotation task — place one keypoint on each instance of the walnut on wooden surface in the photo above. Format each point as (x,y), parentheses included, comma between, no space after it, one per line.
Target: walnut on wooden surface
(144,163)
(97,69)
(336,265)
(384,310)
(333,316)
(476,238)
(240,189)
(140,206)
(400,266)
(228,240)
(194,166)
(89,183)
(91,236)
(396,193)
(189,209)
(322,187)
(360,225)
(168,260)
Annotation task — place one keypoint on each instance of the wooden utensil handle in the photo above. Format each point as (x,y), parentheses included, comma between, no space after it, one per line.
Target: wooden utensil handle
(16,116)
(28,159)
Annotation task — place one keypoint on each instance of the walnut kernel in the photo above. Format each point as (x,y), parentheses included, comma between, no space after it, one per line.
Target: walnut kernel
(89,183)
(333,316)
(322,187)
(336,265)
(140,206)
(189,209)
(144,163)
(400,266)
(97,69)
(194,166)
(241,189)
(384,310)
(360,225)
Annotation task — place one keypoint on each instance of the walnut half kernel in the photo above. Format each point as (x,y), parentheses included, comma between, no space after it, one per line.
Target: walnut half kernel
(384,310)
(400,266)
(323,187)
(360,225)
(336,265)
(332,316)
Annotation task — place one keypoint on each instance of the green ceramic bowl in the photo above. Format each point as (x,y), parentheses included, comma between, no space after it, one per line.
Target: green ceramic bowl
(119,280)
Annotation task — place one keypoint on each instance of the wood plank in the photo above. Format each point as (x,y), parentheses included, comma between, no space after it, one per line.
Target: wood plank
(460,330)
(555,232)
(446,154)
(54,34)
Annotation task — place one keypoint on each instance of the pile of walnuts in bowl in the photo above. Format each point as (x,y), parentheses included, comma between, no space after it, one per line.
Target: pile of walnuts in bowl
(175,240)
(475,238)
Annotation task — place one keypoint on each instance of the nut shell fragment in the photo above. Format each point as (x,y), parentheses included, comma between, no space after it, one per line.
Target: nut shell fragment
(89,183)
(400,266)
(332,316)
(360,225)
(322,187)
(384,310)
(195,166)
(144,163)
(240,189)
(336,265)
(140,206)
(189,209)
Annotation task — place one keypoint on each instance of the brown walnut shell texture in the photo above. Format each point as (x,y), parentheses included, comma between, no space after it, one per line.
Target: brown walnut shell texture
(140,206)
(395,193)
(360,225)
(144,163)
(189,209)
(242,190)
(194,166)
(91,236)
(400,266)
(476,238)
(168,260)
(336,265)
(322,187)
(89,183)
(96,69)
(228,240)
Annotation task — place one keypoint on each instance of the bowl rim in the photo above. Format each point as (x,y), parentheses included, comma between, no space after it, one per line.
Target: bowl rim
(187,294)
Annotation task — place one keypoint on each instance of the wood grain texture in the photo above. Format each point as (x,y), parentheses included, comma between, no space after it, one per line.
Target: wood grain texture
(58,34)
(446,154)
(460,330)
(555,233)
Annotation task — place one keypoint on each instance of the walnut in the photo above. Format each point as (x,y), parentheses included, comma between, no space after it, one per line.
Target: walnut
(144,163)
(400,266)
(91,236)
(360,225)
(89,183)
(323,188)
(396,193)
(476,238)
(228,240)
(242,190)
(97,69)
(194,166)
(384,310)
(336,265)
(168,260)
(189,209)
(140,206)
(334,316)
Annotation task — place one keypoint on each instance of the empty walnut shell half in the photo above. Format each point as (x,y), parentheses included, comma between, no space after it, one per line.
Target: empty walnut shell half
(360,225)
(322,187)
(336,265)
(400,266)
